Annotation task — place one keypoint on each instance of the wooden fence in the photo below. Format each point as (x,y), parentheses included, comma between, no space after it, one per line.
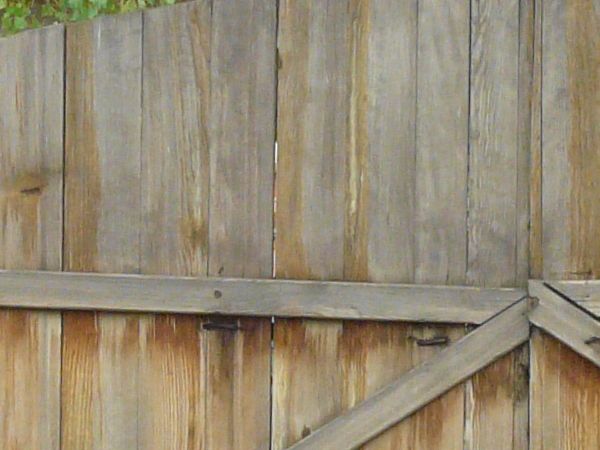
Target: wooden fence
(377,141)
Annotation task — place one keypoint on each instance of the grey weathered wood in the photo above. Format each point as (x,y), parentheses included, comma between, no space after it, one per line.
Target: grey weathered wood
(556,179)
(102,148)
(31,168)
(493,194)
(585,293)
(442,142)
(567,323)
(418,387)
(253,297)
(242,137)
(175,162)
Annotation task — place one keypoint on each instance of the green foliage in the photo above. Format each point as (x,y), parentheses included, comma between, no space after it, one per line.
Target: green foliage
(18,15)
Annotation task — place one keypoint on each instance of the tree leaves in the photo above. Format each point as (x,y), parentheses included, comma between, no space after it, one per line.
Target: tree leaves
(18,15)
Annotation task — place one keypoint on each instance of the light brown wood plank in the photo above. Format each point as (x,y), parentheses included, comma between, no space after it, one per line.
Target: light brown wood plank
(493,195)
(571,62)
(566,399)
(174,235)
(497,404)
(31,95)
(102,230)
(418,387)
(242,152)
(442,142)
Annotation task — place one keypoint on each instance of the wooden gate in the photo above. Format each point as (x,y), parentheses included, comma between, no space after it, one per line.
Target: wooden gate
(320,216)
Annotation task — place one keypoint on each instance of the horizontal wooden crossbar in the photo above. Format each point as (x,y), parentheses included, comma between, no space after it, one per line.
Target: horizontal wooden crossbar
(246,297)
(426,382)
(566,322)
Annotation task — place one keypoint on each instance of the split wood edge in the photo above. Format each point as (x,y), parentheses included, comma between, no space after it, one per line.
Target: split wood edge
(252,297)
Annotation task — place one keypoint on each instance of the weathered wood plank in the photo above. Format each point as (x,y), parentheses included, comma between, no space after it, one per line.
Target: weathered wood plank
(497,404)
(253,297)
(442,142)
(493,195)
(571,68)
(567,323)
(536,248)
(566,398)
(423,384)
(31,95)
(174,235)
(242,137)
(242,160)
(102,228)
(175,164)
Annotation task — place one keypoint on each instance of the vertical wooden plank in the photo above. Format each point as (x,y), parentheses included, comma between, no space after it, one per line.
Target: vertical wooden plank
(31,95)
(571,67)
(242,137)
(498,193)
(174,238)
(175,160)
(311,134)
(493,143)
(442,142)
(565,397)
(102,183)
(242,147)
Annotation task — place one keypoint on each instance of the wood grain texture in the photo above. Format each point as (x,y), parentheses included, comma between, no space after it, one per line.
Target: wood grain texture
(498,196)
(175,157)
(102,229)
(536,248)
(31,95)
(565,397)
(242,137)
(497,404)
(442,142)
(174,233)
(346,135)
(419,386)
(352,361)
(566,322)
(254,297)
(493,195)
(242,152)
(571,60)
(585,293)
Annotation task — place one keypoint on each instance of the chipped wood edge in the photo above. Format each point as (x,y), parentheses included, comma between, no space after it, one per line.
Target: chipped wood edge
(252,297)
(418,387)
(565,321)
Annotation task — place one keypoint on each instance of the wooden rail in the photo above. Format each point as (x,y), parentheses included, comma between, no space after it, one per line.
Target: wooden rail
(253,297)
